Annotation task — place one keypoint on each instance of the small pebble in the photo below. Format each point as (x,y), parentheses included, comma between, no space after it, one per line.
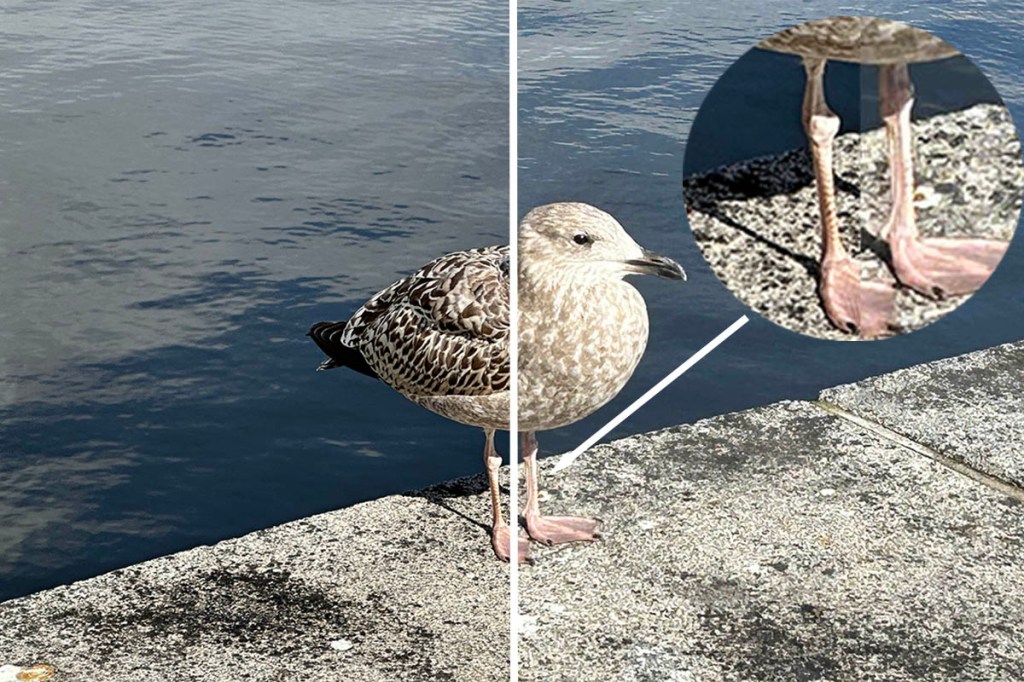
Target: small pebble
(341,645)
(36,673)
(528,626)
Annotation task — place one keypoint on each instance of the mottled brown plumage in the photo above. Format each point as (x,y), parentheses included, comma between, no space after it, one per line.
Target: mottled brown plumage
(582,328)
(582,332)
(441,338)
(438,336)
(861,40)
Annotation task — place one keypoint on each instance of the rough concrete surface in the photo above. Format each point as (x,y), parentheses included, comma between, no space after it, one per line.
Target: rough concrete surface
(757,225)
(788,542)
(401,588)
(781,543)
(968,408)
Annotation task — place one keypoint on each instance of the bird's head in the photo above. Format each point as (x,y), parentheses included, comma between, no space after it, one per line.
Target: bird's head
(582,241)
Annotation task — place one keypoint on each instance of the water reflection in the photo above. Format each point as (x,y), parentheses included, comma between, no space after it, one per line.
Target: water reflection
(185,189)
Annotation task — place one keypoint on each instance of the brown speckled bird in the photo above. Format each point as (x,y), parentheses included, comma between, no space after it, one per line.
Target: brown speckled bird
(441,338)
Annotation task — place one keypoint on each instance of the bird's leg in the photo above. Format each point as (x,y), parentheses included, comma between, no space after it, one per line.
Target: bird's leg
(550,530)
(853,305)
(936,267)
(501,534)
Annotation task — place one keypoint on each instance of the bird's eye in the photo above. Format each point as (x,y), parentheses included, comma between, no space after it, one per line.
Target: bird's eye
(582,238)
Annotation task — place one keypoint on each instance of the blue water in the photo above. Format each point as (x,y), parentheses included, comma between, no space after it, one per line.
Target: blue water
(608,93)
(184,188)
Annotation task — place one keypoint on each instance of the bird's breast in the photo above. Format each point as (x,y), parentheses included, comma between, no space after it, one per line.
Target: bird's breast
(578,346)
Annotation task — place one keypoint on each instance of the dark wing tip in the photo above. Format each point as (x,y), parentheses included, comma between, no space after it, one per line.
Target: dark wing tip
(327,336)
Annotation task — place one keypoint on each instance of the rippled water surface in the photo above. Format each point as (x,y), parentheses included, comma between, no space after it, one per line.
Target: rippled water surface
(608,94)
(184,187)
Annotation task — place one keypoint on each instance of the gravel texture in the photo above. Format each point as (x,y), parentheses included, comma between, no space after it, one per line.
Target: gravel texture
(781,543)
(756,222)
(401,588)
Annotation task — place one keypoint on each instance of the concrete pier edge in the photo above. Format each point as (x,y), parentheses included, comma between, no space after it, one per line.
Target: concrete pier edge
(874,533)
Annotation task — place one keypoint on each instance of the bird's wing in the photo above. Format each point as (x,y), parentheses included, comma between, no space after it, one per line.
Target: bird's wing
(441,331)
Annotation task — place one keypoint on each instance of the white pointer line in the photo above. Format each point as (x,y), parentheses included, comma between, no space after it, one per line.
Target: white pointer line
(570,457)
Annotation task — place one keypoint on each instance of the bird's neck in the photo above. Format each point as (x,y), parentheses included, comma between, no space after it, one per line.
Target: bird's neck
(544,290)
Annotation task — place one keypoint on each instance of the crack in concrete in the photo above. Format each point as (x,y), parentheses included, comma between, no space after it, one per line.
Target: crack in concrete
(956,465)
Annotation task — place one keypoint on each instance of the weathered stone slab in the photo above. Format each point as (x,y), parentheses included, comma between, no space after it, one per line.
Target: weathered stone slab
(400,588)
(969,408)
(782,543)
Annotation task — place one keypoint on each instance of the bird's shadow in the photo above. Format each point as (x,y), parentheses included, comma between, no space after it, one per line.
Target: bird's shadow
(784,174)
(441,493)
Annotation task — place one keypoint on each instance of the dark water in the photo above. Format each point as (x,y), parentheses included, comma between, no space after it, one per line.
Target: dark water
(608,95)
(184,187)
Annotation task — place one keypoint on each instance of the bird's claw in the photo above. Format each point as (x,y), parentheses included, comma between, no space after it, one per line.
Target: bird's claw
(501,540)
(856,306)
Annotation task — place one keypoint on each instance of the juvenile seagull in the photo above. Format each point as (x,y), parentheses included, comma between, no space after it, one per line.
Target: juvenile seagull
(935,267)
(582,331)
(441,338)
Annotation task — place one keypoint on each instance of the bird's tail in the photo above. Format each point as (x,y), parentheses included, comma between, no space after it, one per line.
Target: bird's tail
(327,336)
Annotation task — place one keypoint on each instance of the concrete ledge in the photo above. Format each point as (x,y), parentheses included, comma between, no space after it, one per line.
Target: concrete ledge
(968,408)
(401,588)
(788,543)
(778,544)
(785,542)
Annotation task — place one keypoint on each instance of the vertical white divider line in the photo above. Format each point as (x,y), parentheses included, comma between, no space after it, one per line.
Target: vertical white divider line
(513,469)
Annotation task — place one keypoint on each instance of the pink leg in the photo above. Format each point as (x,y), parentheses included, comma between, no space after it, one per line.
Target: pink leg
(936,267)
(852,304)
(550,530)
(501,534)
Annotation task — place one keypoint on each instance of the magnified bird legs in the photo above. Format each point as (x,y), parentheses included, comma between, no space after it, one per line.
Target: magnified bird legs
(936,267)
(852,304)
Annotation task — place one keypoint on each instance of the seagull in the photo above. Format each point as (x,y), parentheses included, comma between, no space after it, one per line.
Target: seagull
(582,332)
(440,337)
(935,267)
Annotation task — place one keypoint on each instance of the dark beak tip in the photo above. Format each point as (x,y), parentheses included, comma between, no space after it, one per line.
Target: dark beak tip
(660,266)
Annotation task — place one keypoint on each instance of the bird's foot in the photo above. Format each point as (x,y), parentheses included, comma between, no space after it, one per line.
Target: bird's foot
(856,306)
(941,267)
(555,530)
(501,540)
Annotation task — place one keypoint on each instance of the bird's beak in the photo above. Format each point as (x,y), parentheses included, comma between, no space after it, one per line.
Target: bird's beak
(654,264)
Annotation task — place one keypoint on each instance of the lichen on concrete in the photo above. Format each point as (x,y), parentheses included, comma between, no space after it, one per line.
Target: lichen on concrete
(407,583)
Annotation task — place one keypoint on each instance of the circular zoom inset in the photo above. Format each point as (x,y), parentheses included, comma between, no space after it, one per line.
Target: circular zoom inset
(898,201)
